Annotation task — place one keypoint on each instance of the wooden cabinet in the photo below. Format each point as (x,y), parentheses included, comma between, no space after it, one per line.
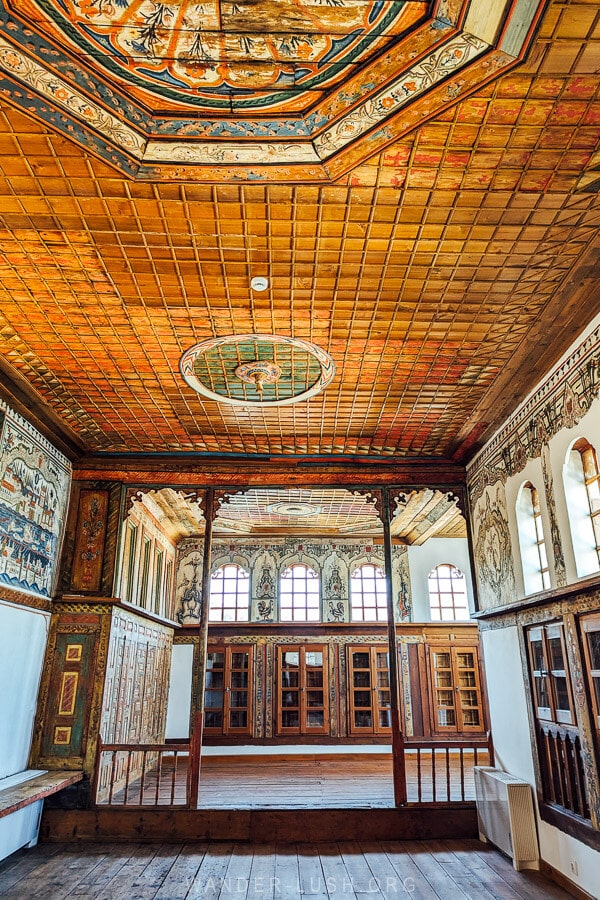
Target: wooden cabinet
(302,689)
(369,690)
(456,704)
(228,693)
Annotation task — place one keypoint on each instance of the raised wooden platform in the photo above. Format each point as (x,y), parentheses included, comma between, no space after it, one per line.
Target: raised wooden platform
(259,826)
(305,781)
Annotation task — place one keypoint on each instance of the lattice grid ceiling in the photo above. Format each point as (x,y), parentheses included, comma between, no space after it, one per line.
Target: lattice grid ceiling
(428,273)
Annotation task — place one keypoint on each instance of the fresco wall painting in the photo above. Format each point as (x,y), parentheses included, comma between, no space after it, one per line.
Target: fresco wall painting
(34,484)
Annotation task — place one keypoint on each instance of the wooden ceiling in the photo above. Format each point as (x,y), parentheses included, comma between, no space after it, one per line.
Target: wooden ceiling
(275,513)
(429,273)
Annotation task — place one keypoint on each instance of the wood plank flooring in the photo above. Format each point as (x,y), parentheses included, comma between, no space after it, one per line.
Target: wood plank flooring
(349,781)
(434,870)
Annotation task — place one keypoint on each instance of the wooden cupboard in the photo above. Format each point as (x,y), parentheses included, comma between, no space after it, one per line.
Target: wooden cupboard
(332,683)
(302,685)
(369,690)
(229,690)
(456,706)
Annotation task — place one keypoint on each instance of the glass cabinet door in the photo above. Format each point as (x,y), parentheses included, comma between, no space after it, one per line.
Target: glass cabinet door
(302,690)
(456,690)
(228,691)
(369,690)
(466,669)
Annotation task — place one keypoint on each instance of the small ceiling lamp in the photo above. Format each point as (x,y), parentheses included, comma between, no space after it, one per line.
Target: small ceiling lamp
(258,372)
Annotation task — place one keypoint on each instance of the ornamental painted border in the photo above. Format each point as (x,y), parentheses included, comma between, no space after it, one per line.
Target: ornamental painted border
(453,55)
(186,367)
(564,397)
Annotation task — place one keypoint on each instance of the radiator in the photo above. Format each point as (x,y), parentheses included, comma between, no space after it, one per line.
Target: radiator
(505,815)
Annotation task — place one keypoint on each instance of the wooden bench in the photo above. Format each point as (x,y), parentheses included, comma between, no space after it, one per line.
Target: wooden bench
(34,785)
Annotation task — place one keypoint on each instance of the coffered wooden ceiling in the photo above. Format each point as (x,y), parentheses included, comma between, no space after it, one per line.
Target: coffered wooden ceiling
(443,274)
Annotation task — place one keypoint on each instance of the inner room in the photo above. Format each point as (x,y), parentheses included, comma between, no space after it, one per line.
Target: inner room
(298,689)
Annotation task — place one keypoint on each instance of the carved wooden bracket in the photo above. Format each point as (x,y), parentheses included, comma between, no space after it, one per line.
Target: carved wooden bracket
(132,495)
(374,496)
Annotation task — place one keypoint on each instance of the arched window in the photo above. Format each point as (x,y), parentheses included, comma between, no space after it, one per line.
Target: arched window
(536,575)
(368,598)
(582,492)
(447,594)
(299,595)
(229,592)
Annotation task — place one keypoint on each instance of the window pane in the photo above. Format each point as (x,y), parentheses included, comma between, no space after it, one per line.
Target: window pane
(300,594)
(594,648)
(447,594)
(229,595)
(368,595)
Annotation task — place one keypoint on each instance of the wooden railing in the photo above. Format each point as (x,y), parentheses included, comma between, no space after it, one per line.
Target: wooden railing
(143,775)
(439,772)
(151,775)
(562,768)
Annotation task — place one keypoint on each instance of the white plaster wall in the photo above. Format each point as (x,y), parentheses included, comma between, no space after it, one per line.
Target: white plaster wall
(23,635)
(577,861)
(20,828)
(427,556)
(180,692)
(508,702)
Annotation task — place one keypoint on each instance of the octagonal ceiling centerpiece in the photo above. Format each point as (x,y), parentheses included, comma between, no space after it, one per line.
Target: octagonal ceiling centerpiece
(278,90)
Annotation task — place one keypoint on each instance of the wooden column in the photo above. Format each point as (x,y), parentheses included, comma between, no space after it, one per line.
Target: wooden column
(200,656)
(398,763)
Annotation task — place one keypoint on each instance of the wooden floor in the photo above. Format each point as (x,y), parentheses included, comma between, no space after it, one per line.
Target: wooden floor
(452,870)
(310,781)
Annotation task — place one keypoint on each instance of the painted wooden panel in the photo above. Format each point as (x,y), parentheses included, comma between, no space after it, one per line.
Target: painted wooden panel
(71,684)
(89,541)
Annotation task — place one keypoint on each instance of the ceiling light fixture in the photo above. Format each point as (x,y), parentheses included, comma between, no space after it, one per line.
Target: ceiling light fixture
(259,373)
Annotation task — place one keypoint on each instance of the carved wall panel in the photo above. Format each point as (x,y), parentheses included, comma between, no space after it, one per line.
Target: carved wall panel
(137,681)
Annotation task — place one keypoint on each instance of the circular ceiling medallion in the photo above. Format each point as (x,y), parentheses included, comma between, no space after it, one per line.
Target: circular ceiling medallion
(294,509)
(257,369)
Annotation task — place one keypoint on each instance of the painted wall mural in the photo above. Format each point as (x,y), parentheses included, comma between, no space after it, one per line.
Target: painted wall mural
(560,571)
(493,551)
(333,562)
(34,486)
(564,398)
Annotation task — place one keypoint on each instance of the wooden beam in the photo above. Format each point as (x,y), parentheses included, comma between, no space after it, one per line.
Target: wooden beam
(398,762)
(200,680)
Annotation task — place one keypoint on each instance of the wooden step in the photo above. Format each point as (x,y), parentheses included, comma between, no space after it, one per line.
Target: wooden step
(260,826)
